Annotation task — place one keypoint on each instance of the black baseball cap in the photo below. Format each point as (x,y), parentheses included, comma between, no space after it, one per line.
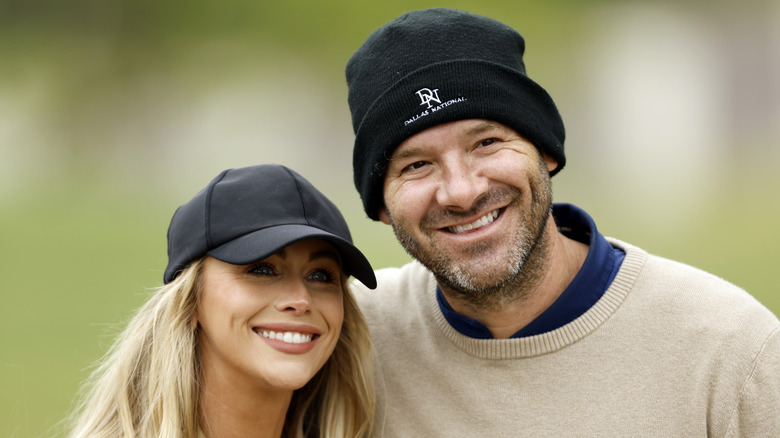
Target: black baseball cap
(245,215)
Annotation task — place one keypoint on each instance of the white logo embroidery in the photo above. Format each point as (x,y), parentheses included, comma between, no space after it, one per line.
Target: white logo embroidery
(427,95)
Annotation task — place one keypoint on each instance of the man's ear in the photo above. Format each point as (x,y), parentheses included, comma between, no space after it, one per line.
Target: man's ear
(551,162)
(384,216)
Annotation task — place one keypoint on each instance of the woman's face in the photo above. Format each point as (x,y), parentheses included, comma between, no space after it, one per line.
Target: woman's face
(270,325)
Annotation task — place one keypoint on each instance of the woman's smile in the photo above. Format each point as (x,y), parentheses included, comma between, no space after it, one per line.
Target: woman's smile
(291,301)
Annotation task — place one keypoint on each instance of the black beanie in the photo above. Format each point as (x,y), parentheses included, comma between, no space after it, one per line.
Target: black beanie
(435,66)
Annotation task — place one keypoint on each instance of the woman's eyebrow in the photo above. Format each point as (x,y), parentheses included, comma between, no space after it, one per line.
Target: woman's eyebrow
(325,254)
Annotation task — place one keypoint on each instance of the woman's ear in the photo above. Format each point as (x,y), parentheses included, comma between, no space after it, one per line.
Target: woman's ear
(194,324)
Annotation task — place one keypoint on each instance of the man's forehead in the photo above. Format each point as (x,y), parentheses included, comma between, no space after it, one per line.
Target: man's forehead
(465,128)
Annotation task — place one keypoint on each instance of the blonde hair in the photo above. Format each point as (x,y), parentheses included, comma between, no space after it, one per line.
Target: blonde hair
(147,384)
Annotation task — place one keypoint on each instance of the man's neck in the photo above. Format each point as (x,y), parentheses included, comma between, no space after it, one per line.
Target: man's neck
(557,265)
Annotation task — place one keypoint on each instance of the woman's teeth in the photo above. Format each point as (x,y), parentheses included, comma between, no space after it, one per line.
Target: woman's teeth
(484,220)
(288,337)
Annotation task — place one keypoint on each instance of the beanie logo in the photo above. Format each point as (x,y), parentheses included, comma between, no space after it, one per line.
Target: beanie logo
(427,95)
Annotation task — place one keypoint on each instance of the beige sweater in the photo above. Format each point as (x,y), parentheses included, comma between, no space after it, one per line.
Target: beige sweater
(668,351)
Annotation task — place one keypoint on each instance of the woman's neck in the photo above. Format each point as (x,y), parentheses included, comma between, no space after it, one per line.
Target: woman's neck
(228,411)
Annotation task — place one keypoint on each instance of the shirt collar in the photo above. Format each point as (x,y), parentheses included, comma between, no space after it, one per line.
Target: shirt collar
(597,272)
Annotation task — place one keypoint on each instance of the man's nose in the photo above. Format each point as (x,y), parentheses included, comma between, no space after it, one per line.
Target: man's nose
(461,185)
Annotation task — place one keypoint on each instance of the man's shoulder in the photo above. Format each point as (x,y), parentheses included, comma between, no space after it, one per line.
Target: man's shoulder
(400,299)
(391,279)
(397,283)
(665,270)
(692,292)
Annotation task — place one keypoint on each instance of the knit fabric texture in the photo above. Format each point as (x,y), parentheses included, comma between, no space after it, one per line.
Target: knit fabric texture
(434,66)
(668,351)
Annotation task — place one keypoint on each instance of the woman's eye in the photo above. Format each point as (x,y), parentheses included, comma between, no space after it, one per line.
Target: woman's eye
(487,142)
(323,275)
(262,269)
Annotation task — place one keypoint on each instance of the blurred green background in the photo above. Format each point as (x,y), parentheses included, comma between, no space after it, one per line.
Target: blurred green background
(114,112)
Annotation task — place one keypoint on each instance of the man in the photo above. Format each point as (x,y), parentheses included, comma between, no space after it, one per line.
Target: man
(518,318)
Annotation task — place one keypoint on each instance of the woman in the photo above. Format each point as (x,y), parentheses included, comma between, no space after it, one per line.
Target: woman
(254,332)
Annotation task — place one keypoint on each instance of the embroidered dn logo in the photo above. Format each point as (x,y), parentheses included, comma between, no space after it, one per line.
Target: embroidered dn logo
(427,95)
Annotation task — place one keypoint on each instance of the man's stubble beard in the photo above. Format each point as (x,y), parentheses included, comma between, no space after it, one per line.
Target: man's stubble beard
(515,275)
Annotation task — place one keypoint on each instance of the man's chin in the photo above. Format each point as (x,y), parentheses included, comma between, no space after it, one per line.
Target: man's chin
(474,281)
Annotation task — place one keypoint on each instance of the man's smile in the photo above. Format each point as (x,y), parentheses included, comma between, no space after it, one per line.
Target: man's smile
(481,222)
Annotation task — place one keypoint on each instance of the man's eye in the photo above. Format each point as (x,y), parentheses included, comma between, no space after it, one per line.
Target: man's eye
(487,142)
(416,165)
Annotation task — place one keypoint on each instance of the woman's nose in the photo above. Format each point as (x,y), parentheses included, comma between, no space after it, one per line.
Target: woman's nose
(295,299)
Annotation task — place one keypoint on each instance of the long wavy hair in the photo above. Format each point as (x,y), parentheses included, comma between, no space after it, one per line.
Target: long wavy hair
(147,384)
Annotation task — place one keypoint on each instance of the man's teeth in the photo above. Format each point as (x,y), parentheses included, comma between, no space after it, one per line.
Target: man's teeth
(484,220)
(289,337)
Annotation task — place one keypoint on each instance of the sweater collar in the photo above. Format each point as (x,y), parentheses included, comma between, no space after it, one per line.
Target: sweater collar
(590,283)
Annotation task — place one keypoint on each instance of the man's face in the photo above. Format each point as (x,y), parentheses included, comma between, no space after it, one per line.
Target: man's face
(469,199)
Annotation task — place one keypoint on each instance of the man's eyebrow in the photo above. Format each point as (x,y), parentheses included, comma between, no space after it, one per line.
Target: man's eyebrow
(481,127)
(402,153)
(478,128)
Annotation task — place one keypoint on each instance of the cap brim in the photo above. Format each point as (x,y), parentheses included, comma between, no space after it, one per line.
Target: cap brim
(260,244)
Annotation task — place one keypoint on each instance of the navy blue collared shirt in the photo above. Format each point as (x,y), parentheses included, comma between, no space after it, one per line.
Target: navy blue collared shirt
(597,272)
